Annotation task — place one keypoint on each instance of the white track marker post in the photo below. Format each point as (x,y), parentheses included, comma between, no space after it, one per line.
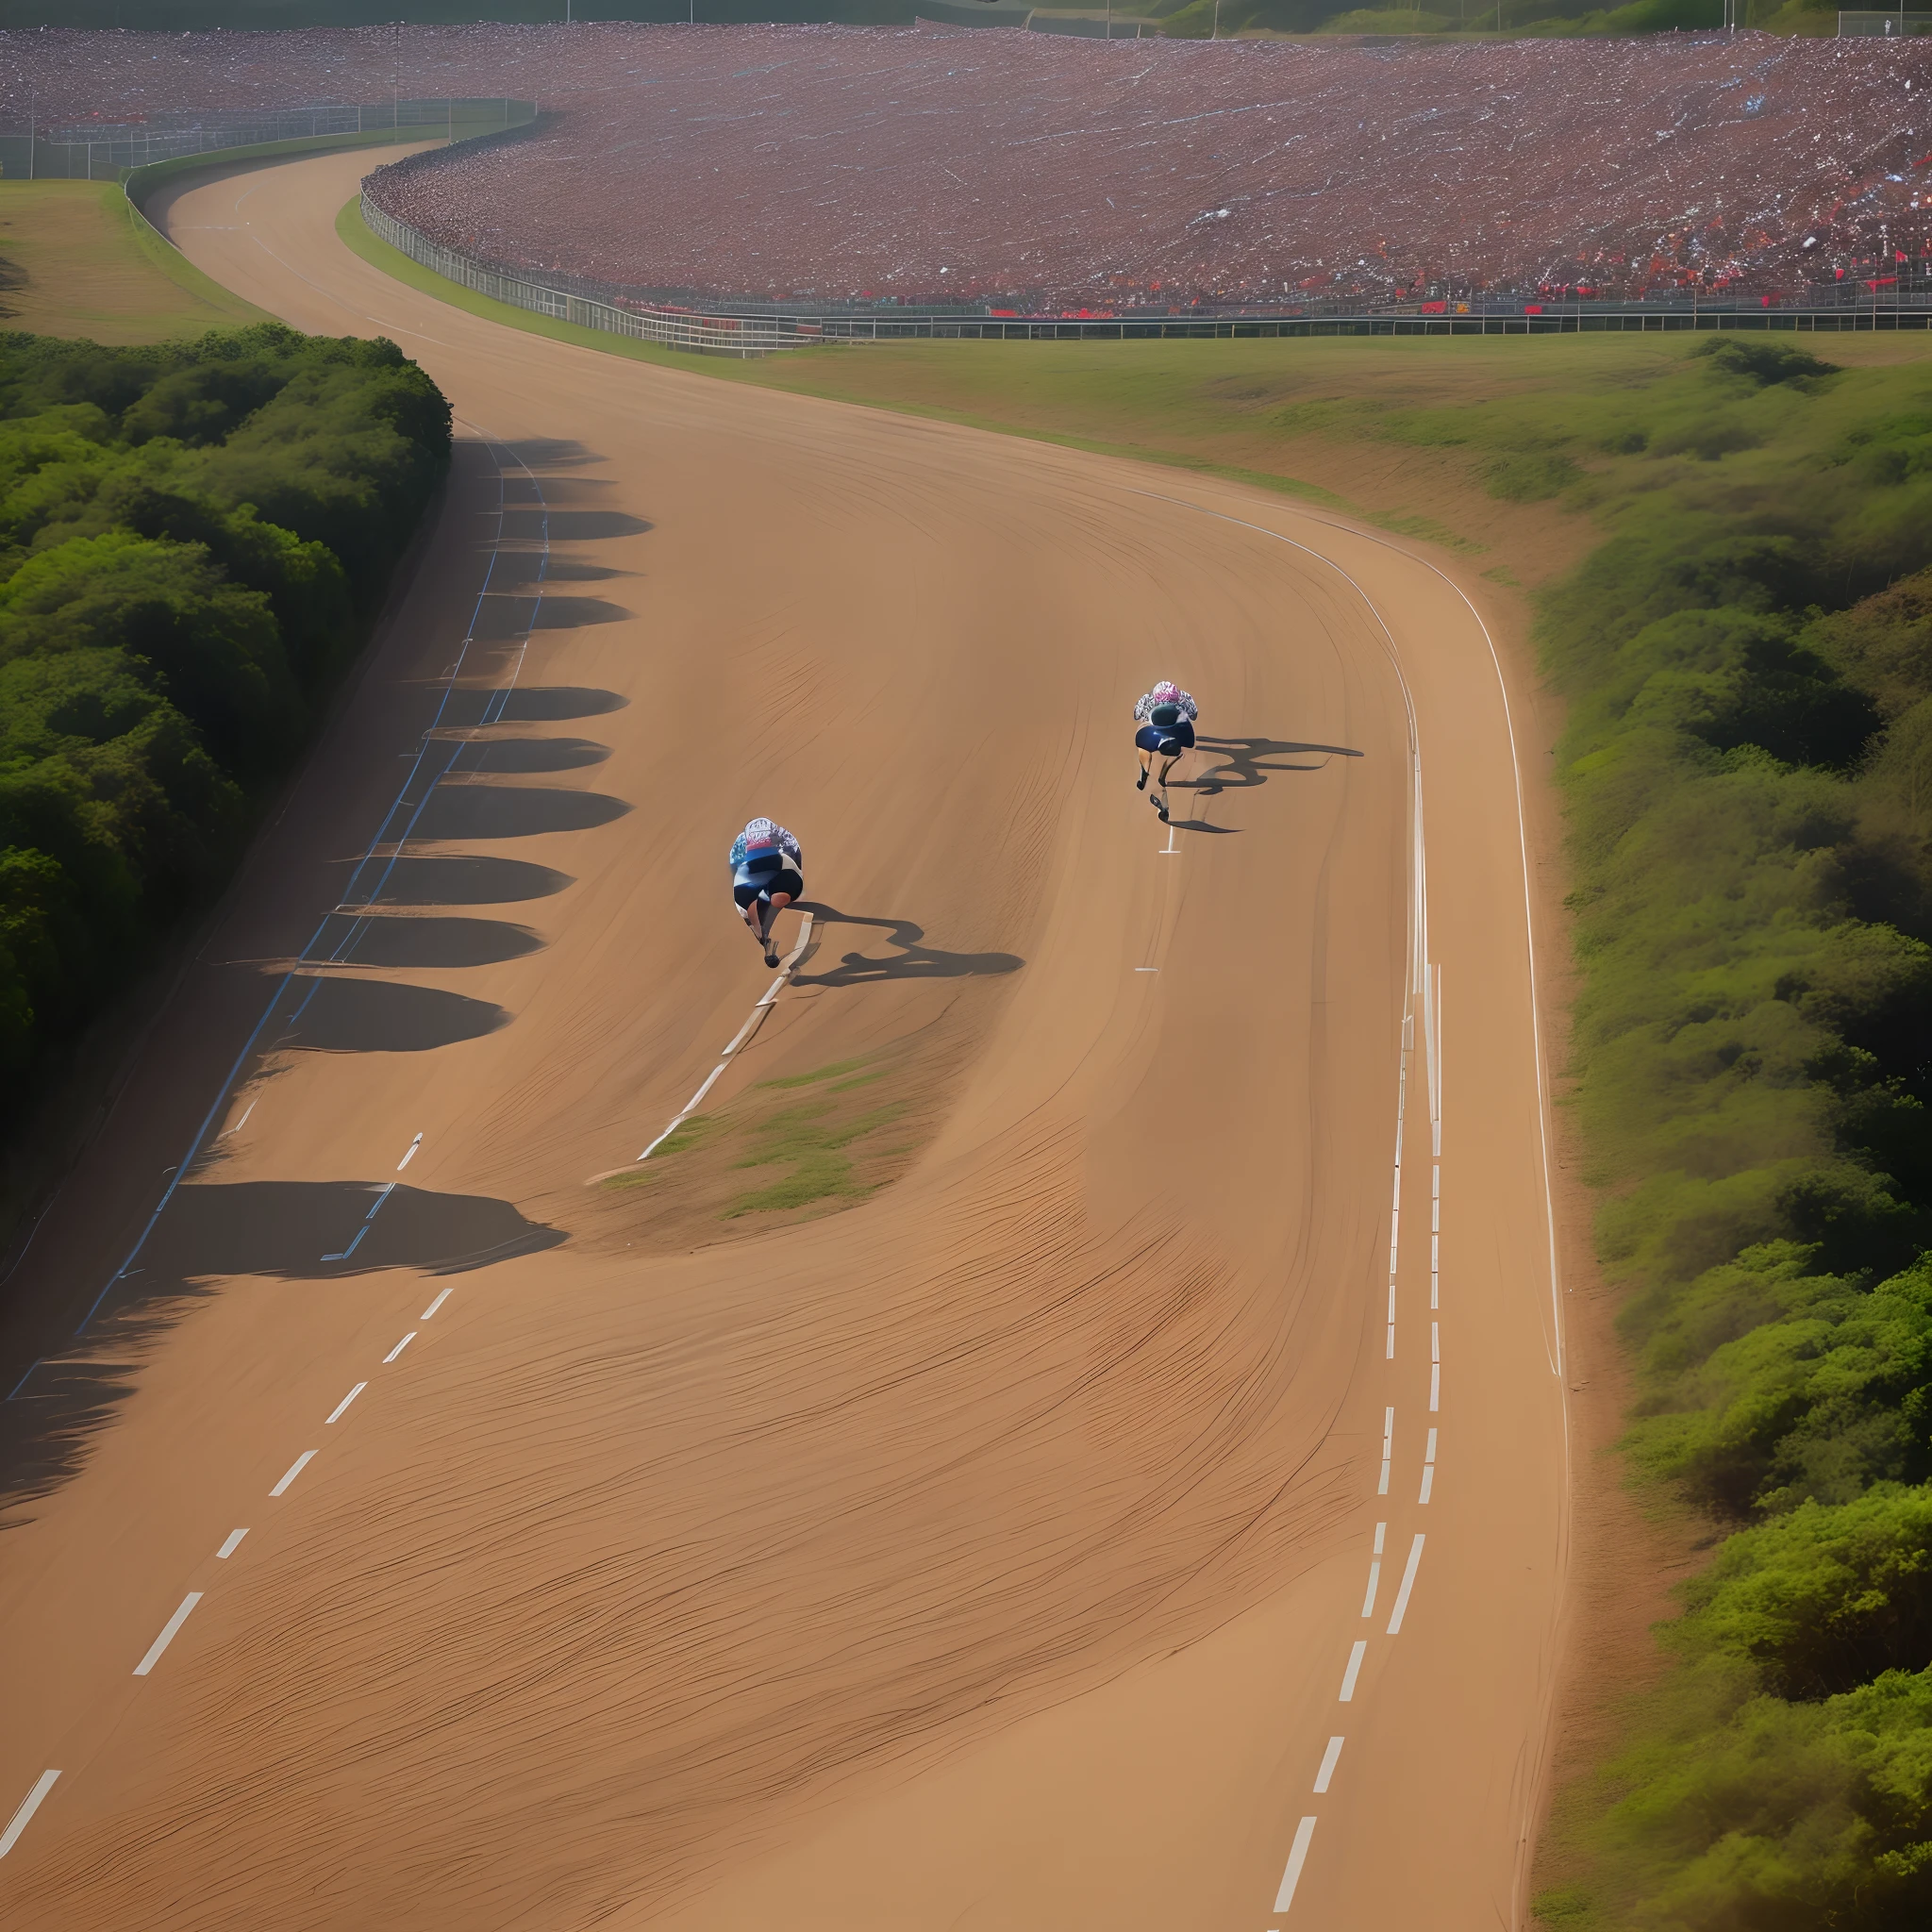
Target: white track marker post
(787,968)
(28,1805)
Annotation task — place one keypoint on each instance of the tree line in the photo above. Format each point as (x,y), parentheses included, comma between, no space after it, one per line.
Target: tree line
(1748,773)
(194,541)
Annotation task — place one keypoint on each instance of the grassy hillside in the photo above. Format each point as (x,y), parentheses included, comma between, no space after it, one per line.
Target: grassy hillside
(74,261)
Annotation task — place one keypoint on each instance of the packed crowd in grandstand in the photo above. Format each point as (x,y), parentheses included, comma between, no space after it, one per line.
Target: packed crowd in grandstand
(941,165)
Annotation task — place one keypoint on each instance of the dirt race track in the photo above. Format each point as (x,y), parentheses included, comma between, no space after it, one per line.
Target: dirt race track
(1018,1547)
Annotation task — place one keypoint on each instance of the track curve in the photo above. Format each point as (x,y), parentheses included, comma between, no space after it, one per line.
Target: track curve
(993,1553)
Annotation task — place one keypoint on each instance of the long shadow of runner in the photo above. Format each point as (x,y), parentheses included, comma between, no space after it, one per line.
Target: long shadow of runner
(314,1231)
(1243,769)
(913,960)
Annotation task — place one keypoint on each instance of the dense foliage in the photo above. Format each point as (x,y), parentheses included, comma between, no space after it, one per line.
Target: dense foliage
(1749,772)
(191,542)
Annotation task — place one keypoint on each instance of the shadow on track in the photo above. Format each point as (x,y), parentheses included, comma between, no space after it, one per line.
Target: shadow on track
(913,960)
(504,616)
(429,943)
(1243,769)
(511,811)
(523,756)
(464,879)
(544,704)
(339,1015)
(277,1228)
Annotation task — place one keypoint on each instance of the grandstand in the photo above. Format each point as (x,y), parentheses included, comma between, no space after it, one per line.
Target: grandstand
(1051,173)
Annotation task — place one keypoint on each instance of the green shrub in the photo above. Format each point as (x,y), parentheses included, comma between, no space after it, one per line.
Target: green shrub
(1748,774)
(190,540)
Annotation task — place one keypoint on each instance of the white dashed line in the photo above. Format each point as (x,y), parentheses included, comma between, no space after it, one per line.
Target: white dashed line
(1329,1760)
(411,1154)
(411,1336)
(436,1304)
(232,1544)
(1435,1387)
(1356,1655)
(28,1805)
(1375,1580)
(1428,1469)
(1401,1609)
(1387,1450)
(1297,1858)
(167,1636)
(1436,1238)
(344,1403)
(295,1468)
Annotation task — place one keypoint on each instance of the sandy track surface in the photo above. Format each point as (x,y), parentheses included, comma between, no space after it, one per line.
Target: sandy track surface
(1006,1550)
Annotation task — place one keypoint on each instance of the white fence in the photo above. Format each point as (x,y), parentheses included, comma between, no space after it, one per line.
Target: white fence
(79,151)
(715,334)
(1873,24)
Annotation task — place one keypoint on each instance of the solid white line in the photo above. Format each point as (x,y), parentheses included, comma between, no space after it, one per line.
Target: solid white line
(1415,1556)
(409,1338)
(1297,1858)
(167,1636)
(344,1403)
(436,1304)
(411,1154)
(1356,1655)
(28,1805)
(709,1080)
(295,1468)
(243,1122)
(787,967)
(1375,1578)
(1536,1019)
(232,1544)
(1329,1759)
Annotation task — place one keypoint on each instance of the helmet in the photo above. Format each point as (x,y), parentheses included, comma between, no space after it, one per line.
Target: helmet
(1166,692)
(760,828)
